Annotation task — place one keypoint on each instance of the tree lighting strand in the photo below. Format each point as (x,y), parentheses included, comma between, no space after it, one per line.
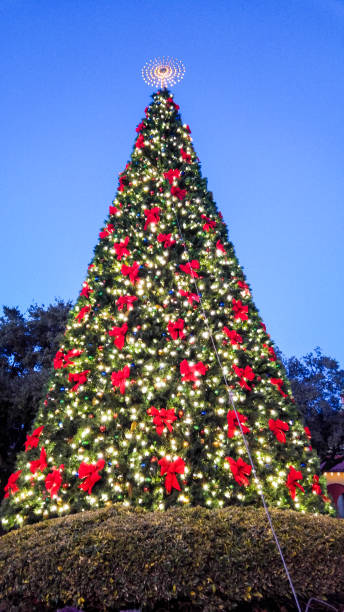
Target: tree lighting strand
(230,396)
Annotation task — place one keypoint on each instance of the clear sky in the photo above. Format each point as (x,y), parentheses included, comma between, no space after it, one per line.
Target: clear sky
(264,97)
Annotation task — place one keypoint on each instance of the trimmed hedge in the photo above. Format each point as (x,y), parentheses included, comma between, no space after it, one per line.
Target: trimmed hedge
(182,559)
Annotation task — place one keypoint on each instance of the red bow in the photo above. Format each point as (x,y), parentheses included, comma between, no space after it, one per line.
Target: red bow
(113,210)
(171,468)
(307,432)
(291,483)
(240,311)
(244,287)
(12,486)
(141,126)
(62,360)
(79,378)
(220,247)
(186,157)
(244,373)
(121,248)
(162,418)
(54,480)
(131,271)
(278,428)
(126,300)
(140,143)
(32,441)
(107,231)
(240,470)
(82,312)
(170,101)
(232,421)
(233,335)
(176,329)
(263,326)
(209,224)
(86,290)
(89,471)
(179,193)
(152,215)
(119,334)
(166,239)
(316,488)
(39,464)
(187,129)
(273,356)
(122,182)
(190,296)
(189,372)
(172,174)
(278,382)
(190,267)
(118,378)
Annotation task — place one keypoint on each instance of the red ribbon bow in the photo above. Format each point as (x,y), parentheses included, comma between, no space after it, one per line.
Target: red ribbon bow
(178,192)
(126,300)
(131,271)
(39,464)
(244,373)
(220,247)
(90,471)
(273,356)
(190,267)
(82,312)
(119,335)
(113,210)
(233,424)
(54,480)
(152,215)
(140,143)
(240,470)
(121,248)
(162,418)
(107,230)
(278,428)
(307,432)
(12,486)
(186,157)
(86,290)
(118,378)
(191,372)
(233,335)
(166,239)
(316,488)
(278,382)
(240,311)
(244,287)
(62,360)
(175,106)
(141,126)
(122,182)
(176,329)
(190,296)
(209,224)
(291,482)
(32,441)
(172,174)
(79,378)
(170,469)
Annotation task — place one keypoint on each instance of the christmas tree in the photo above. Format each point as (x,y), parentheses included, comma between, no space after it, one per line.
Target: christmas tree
(166,373)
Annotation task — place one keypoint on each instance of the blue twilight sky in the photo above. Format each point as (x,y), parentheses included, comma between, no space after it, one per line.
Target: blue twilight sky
(264,97)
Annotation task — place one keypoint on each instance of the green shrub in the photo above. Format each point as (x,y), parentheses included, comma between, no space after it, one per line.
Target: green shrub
(182,559)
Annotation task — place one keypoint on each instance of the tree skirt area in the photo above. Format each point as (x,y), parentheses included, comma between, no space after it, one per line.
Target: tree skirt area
(182,559)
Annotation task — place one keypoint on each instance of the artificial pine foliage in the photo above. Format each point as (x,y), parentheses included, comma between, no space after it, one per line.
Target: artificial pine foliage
(137,410)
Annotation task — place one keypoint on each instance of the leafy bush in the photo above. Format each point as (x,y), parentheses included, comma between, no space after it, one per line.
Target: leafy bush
(182,559)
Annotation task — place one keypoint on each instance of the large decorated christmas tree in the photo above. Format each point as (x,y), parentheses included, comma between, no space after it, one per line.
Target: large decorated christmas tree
(166,375)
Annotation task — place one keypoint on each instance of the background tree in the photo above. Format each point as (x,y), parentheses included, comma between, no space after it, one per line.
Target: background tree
(318,387)
(27,348)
